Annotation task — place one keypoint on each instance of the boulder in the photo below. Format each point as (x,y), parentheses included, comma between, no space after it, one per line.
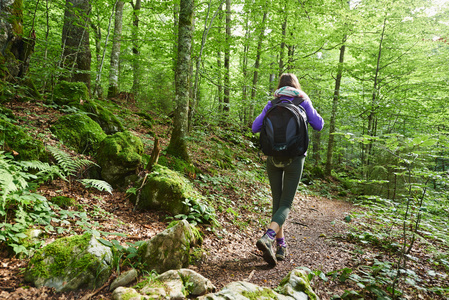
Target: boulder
(70,93)
(79,132)
(296,284)
(70,263)
(124,279)
(20,143)
(170,191)
(187,284)
(241,290)
(170,249)
(123,293)
(119,156)
(106,119)
(173,284)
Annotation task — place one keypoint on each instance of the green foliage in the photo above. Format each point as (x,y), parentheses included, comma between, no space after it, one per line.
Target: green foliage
(23,209)
(100,185)
(125,255)
(199,213)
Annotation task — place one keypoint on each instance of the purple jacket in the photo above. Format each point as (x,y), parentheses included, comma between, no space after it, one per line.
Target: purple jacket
(313,117)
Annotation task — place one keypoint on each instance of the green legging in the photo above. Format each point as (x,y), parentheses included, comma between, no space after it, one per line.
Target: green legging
(284,176)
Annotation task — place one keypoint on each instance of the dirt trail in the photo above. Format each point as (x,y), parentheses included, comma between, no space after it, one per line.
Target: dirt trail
(309,229)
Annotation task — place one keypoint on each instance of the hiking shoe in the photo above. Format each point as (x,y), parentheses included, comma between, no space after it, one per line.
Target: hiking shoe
(281,252)
(265,244)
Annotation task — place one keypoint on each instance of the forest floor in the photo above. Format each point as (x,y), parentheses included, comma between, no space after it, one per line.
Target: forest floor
(314,231)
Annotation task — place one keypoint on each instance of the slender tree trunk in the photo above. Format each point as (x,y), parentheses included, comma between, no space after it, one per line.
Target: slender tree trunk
(178,143)
(97,29)
(245,104)
(372,117)
(198,61)
(227,59)
(331,143)
(75,41)
(219,64)
(136,49)
(257,64)
(113,89)
(98,91)
(291,54)
(282,50)
(316,146)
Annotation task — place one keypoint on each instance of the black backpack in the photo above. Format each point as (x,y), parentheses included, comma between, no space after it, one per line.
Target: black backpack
(284,130)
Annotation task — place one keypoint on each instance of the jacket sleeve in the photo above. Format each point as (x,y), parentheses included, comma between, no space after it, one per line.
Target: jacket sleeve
(313,117)
(257,124)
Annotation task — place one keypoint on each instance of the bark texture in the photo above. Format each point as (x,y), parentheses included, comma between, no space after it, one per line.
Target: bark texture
(178,143)
(113,89)
(136,48)
(76,57)
(15,48)
(336,98)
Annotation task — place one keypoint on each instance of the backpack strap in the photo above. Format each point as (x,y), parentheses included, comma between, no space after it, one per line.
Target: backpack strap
(296,100)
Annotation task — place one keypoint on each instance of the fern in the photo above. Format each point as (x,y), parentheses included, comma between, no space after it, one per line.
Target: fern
(100,185)
(68,164)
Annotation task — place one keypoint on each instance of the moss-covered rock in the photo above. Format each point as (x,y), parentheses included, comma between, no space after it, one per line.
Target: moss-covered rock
(70,93)
(70,263)
(15,140)
(295,284)
(106,119)
(168,250)
(166,190)
(63,201)
(79,132)
(119,157)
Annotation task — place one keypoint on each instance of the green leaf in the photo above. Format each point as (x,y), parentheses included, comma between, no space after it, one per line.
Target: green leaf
(105,242)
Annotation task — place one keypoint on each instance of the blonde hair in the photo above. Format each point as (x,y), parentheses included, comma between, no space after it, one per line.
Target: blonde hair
(289,79)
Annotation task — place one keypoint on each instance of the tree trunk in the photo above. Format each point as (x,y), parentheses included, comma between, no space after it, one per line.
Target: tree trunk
(16,49)
(245,104)
(227,59)
(316,146)
(198,60)
(113,89)
(257,65)
(136,49)
(76,55)
(331,143)
(178,143)
(98,91)
(372,117)
(282,50)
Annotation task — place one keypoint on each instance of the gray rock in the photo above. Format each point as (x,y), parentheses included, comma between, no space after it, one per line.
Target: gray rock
(296,284)
(124,279)
(242,290)
(170,249)
(185,282)
(71,263)
(122,293)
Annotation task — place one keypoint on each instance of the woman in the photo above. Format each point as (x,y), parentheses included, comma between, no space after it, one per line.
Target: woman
(283,173)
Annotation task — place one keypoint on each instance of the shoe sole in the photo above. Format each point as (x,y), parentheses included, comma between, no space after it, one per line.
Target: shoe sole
(267,256)
(280,258)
